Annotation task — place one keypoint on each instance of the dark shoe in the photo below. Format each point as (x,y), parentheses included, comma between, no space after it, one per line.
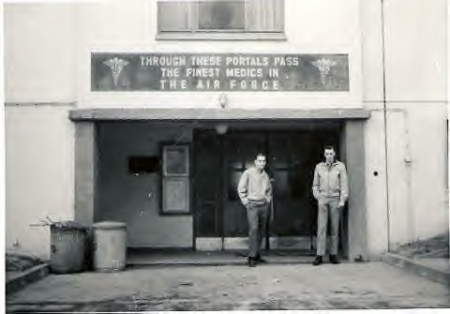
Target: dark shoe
(317,260)
(259,259)
(252,262)
(334,259)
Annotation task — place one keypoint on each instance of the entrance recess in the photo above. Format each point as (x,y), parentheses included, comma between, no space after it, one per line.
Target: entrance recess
(209,181)
(219,161)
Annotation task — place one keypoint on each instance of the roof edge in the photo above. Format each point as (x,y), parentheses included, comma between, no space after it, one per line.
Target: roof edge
(189,114)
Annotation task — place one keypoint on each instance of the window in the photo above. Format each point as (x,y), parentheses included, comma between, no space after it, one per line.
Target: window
(176,160)
(236,167)
(175,180)
(211,19)
(221,15)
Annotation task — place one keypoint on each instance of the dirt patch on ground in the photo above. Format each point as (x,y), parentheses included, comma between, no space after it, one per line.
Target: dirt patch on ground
(16,262)
(437,247)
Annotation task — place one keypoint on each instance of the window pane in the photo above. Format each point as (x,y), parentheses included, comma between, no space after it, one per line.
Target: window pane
(173,16)
(281,183)
(233,183)
(221,15)
(176,160)
(279,147)
(176,195)
(237,165)
(264,15)
(279,164)
(249,163)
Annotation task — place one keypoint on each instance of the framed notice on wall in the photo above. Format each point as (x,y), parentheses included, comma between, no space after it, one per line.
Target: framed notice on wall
(176,195)
(175,180)
(176,160)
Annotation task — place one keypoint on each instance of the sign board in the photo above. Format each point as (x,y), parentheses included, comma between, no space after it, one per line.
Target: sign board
(219,72)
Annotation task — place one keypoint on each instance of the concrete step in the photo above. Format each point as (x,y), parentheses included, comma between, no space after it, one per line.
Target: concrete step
(214,258)
(436,269)
(17,280)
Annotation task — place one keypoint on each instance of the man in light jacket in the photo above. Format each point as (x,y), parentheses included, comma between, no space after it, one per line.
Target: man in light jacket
(330,189)
(255,192)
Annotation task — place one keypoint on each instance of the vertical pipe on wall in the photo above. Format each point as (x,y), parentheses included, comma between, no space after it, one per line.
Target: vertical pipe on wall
(448,115)
(221,221)
(383,53)
(3,134)
(408,160)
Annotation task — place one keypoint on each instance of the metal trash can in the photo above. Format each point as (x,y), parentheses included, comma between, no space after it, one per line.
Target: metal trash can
(110,245)
(67,246)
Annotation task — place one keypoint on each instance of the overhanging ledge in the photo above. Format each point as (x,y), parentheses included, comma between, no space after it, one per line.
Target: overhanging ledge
(189,114)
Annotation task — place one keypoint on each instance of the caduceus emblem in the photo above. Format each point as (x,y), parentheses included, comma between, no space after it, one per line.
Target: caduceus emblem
(116,65)
(324,66)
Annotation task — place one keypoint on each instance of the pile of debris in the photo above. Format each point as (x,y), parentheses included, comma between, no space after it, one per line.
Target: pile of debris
(437,247)
(20,261)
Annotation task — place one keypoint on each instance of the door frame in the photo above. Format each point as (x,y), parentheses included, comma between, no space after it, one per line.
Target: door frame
(205,243)
(221,242)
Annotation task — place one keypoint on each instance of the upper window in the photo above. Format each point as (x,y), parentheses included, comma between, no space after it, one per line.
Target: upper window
(211,19)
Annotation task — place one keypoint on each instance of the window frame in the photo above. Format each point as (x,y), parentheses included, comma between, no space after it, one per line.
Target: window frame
(165,152)
(195,33)
(167,178)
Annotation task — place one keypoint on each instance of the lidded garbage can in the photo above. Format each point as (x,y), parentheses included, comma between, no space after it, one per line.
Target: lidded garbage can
(67,246)
(110,245)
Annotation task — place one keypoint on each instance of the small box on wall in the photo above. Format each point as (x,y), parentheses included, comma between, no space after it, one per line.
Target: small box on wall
(143,164)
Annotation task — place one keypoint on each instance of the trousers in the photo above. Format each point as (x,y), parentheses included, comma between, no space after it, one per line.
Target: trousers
(257,216)
(328,210)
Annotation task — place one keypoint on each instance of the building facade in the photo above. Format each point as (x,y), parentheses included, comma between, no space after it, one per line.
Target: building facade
(147,112)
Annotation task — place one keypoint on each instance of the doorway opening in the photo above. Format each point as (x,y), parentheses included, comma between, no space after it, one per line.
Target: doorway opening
(220,221)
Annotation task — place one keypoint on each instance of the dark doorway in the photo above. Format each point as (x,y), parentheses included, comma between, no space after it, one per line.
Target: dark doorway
(219,161)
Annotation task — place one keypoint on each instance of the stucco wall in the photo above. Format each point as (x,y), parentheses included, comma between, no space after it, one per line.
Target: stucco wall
(312,26)
(416,52)
(416,80)
(135,199)
(417,160)
(377,221)
(47,60)
(416,89)
(39,67)
(417,207)
(40,48)
(39,173)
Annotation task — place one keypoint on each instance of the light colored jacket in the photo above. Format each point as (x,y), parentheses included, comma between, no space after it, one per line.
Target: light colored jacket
(254,186)
(330,181)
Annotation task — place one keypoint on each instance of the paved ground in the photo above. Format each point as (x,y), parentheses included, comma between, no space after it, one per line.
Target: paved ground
(267,287)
